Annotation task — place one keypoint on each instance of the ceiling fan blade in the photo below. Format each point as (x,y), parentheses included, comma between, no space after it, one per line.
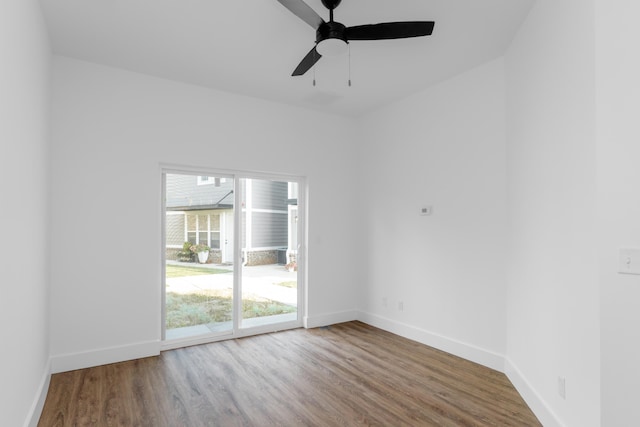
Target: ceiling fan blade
(307,62)
(303,11)
(390,30)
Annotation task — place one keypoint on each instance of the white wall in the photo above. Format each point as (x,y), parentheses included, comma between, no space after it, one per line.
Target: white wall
(444,146)
(24,227)
(111,131)
(553,295)
(618,91)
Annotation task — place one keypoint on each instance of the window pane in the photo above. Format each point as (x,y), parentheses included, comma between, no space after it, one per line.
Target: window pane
(203,306)
(191,222)
(215,222)
(203,223)
(215,240)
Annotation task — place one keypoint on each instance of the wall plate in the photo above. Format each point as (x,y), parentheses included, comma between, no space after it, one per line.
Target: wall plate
(629,261)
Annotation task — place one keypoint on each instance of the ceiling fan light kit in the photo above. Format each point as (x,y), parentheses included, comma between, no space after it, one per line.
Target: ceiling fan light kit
(331,47)
(332,38)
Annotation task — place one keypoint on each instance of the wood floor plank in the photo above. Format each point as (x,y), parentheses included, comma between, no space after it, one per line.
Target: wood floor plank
(349,374)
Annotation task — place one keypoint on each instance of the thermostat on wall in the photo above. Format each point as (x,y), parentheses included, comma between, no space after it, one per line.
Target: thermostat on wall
(426,210)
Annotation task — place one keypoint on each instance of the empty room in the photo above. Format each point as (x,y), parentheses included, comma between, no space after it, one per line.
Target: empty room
(319,212)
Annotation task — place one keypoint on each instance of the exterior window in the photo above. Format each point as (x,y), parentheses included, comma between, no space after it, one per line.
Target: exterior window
(204,228)
(192,229)
(214,228)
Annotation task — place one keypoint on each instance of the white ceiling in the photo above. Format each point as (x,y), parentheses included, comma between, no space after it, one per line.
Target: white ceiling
(252,46)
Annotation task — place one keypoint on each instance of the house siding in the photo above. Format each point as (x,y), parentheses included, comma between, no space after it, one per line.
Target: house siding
(269,230)
(270,195)
(175,230)
(184,191)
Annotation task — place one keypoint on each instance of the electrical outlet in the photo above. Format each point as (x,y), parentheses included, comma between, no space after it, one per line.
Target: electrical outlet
(400,306)
(562,387)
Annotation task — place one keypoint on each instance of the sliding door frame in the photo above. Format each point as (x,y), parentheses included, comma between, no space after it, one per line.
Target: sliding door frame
(237,331)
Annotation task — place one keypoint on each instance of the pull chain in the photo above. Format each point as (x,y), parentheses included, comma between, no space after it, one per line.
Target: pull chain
(349,47)
(314,67)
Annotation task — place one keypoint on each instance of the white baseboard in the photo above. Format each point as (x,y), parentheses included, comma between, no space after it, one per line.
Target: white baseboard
(539,407)
(41,395)
(466,351)
(104,356)
(330,319)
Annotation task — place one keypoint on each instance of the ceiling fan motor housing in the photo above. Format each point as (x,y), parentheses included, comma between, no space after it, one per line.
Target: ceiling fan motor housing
(331,30)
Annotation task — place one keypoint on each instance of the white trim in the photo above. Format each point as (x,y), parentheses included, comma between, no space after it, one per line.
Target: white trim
(33,416)
(248,210)
(104,356)
(302,251)
(302,233)
(229,173)
(273,211)
(467,351)
(268,328)
(237,255)
(195,340)
(537,404)
(163,251)
(330,319)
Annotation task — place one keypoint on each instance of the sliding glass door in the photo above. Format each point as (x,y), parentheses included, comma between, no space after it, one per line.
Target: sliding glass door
(199,297)
(269,240)
(232,255)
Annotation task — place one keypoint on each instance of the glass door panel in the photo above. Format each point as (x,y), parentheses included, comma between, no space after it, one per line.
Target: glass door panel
(269,235)
(199,278)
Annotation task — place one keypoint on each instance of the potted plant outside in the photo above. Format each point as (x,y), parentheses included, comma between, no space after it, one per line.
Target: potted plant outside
(202,251)
(185,255)
(292,266)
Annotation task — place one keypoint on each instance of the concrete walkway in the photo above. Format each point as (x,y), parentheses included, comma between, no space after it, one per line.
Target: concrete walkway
(256,280)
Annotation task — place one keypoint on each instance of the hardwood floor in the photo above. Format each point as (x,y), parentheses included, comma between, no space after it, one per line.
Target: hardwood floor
(344,375)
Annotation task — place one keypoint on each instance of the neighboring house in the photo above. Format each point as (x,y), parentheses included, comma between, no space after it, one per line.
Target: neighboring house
(200,209)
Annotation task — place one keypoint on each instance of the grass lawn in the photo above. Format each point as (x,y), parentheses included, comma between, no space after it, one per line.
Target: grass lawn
(215,306)
(188,270)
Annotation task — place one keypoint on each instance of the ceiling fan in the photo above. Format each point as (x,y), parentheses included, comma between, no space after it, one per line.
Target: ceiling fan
(332,37)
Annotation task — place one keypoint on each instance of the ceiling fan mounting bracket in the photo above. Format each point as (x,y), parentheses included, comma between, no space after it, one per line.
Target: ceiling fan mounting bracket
(331,4)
